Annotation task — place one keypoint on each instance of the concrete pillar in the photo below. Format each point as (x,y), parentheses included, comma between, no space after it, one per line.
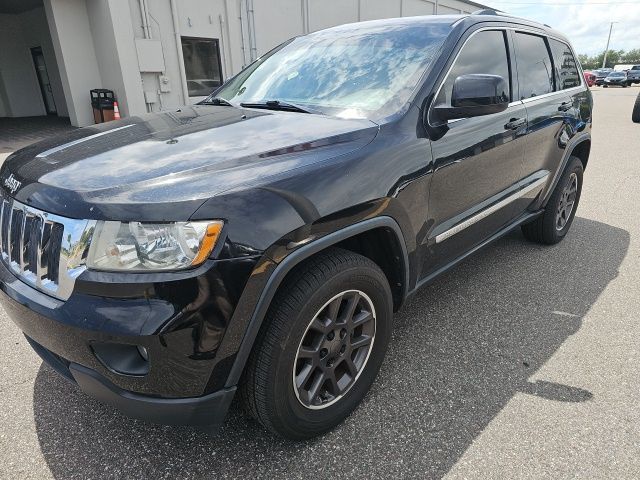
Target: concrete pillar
(113,41)
(73,45)
(94,45)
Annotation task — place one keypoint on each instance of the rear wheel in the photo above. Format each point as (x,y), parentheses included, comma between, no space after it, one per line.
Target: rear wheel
(321,345)
(552,226)
(635,116)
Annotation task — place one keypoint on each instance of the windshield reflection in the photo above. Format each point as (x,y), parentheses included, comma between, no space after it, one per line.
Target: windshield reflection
(361,70)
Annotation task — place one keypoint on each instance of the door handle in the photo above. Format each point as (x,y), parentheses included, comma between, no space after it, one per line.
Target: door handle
(515,123)
(565,106)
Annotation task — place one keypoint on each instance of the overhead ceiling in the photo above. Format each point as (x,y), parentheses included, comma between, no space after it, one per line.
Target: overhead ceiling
(18,6)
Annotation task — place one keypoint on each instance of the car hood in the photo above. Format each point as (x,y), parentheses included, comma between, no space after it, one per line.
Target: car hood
(134,168)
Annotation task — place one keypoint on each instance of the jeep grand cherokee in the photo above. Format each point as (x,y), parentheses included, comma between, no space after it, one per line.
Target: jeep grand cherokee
(258,243)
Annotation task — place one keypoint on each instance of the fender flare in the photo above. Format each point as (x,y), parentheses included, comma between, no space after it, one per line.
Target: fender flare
(563,164)
(293,259)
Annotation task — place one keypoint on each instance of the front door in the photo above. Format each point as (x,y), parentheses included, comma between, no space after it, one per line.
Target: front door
(43,80)
(478,161)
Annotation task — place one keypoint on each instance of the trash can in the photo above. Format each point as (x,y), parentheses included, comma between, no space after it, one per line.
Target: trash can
(102,103)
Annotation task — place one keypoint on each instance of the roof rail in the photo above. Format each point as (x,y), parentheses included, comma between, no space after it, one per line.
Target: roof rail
(493,11)
(487,11)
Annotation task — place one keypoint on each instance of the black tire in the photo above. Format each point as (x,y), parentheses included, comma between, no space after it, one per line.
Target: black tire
(544,229)
(605,86)
(267,389)
(635,116)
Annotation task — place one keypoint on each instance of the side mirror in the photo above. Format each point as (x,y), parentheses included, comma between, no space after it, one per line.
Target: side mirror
(475,95)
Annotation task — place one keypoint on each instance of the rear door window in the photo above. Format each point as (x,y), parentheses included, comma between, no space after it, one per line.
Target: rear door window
(535,70)
(565,67)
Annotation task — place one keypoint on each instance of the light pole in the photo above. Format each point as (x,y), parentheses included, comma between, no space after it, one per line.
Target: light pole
(606,50)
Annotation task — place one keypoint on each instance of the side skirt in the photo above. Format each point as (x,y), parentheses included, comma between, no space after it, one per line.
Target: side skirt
(430,278)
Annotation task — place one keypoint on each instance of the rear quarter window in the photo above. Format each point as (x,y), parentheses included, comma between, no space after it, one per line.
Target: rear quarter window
(565,66)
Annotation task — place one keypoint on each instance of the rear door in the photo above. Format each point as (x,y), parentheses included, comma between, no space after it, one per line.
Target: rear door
(551,88)
(478,161)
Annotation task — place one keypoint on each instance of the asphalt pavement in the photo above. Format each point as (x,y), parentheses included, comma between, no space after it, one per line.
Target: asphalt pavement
(522,362)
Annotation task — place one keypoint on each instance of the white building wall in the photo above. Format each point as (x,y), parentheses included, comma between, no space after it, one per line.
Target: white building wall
(19,84)
(95,39)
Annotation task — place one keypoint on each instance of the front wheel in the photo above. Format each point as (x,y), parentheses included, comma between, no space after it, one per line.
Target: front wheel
(552,226)
(321,345)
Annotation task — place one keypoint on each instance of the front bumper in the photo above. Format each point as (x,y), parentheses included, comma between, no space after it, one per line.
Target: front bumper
(206,410)
(180,323)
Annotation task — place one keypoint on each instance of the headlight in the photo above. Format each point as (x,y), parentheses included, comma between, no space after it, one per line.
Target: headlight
(137,246)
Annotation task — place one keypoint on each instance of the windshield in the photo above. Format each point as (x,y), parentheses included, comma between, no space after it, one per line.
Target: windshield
(354,71)
(617,74)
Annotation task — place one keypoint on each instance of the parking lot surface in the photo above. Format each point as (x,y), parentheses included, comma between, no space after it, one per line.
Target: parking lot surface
(522,362)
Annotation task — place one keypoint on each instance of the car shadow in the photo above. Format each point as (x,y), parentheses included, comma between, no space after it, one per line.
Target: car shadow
(462,348)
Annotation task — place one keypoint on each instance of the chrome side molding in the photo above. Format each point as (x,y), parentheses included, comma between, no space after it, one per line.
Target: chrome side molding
(491,209)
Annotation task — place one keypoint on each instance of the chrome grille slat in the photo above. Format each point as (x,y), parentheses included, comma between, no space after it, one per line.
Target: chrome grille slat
(43,249)
(41,271)
(22,244)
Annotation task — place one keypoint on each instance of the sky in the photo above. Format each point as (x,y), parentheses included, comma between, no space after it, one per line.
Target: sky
(584,22)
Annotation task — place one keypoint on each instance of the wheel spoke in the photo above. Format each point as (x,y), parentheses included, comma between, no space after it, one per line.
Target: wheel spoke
(334,308)
(352,303)
(360,342)
(361,318)
(351,367)
(334,388)
(308,352)
(304,375)
(319,325)
(314,390)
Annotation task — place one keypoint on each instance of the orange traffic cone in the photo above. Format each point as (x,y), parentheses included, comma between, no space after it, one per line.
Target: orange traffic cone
(116,111)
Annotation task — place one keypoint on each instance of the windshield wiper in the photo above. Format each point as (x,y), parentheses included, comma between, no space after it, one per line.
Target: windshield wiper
(216,101)
(279,105)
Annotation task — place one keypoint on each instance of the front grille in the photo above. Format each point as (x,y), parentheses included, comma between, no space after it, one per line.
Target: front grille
(44,250)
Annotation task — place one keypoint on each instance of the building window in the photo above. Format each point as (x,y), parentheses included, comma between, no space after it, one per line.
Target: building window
(202,65)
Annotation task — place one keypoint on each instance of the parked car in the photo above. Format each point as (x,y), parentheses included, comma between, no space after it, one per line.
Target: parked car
(259,242)
(601,74)
(589,78)
(635,115)
(633,75)
(618,79)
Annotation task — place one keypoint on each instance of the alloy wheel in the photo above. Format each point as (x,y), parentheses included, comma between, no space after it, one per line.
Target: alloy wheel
(567,202)
(334,349)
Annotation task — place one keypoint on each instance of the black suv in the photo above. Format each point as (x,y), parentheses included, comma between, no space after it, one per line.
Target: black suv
(259,242)
(633,74)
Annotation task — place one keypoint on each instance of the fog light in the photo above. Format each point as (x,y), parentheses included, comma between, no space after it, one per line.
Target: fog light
(123,359)
(143,353)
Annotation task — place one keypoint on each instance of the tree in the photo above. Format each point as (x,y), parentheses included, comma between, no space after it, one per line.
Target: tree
(614,57)
(632,56)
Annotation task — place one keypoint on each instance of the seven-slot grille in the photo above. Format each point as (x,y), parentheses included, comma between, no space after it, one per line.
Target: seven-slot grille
(30,244)
(43,249)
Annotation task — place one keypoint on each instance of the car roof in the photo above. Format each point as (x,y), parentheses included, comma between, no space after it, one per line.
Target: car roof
(468,20)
